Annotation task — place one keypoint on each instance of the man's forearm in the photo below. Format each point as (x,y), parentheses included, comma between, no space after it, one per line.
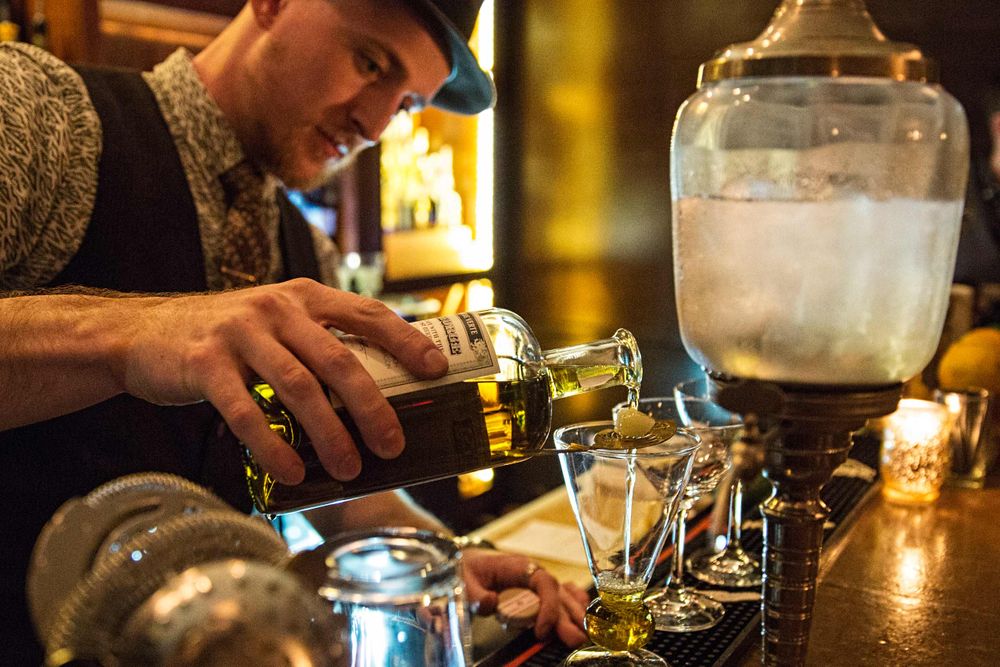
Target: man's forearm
(58,353)
(64,352)
(391,508)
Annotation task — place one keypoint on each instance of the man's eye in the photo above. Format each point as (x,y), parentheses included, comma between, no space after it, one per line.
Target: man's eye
(368,65)
(412,104)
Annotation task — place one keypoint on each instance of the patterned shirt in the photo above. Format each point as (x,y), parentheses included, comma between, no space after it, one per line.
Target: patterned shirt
(50,145)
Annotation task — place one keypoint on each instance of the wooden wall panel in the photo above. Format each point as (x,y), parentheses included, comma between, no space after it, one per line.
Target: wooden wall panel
(128,33)
(73,29)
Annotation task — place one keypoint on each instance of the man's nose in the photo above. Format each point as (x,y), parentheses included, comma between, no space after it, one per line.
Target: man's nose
(373,111)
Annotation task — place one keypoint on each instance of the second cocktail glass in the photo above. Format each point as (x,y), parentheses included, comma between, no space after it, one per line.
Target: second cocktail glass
(733,566)
(677,608)
(624,501)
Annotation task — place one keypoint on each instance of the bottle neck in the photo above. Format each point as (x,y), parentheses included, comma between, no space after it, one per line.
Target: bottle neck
(611,362)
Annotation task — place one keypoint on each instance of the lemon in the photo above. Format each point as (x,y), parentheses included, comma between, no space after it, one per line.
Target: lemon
(972,361)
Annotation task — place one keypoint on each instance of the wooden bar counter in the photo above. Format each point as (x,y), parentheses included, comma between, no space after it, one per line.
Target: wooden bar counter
(912,586)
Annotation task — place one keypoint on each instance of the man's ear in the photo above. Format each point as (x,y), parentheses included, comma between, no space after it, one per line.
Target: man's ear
(266,11)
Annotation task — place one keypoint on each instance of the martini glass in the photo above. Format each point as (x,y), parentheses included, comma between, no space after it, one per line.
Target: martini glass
(732,566)
(677,608)
(624,501)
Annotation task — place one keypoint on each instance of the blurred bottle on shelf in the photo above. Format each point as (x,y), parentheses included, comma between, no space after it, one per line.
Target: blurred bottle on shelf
(362,272)
(9,30)
(418,184)
(39,26)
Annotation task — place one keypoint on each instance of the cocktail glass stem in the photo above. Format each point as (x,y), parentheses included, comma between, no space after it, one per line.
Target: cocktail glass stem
(675,581)
(675,607)
(734,535)
(731,566)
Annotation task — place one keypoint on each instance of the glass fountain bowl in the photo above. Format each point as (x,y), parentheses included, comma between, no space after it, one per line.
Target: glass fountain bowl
(815,226)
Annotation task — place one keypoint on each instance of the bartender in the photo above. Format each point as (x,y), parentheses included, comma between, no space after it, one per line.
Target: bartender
(150,266)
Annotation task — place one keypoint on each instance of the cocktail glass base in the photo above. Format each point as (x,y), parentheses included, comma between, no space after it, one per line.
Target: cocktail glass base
(684,611)
(595,656)
(734,568)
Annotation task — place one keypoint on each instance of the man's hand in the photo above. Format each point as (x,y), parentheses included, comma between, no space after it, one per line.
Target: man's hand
(71,351)
(561,606)
(278,333)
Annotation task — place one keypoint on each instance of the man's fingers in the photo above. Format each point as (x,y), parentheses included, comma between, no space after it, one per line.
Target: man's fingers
(571,634)
(279,333)
(338,368)
(484,602)
(227,392)
(372,319)
(300,392)
(414,349)
(547,589)
(560,607)
(575,601)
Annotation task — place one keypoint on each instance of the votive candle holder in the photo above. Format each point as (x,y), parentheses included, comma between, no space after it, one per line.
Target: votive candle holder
(915,454)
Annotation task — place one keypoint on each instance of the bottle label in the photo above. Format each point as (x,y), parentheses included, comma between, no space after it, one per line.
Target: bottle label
(463,340)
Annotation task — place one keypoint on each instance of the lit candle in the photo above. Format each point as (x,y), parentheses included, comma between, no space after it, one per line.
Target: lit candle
(915,452)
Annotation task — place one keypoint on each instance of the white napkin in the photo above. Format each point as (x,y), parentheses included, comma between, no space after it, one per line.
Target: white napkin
(539,538)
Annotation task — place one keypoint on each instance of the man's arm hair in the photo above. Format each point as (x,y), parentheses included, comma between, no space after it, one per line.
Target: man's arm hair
(59,349)
(83,290)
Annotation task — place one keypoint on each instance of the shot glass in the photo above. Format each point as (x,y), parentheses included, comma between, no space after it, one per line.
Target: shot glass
(915,456)
(973,449)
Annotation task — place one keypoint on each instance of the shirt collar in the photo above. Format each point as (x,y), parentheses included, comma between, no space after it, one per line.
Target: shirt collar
(200,120)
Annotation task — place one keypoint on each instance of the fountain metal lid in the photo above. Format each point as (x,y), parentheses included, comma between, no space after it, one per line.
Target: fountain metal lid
(835,38)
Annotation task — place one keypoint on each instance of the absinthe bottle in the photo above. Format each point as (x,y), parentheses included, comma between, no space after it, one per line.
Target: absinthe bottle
(493,407)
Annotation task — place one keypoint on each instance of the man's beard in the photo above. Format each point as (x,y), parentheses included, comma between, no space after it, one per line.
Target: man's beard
(280,164)
(331,168)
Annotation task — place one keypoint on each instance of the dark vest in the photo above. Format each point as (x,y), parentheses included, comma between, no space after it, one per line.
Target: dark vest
(143,237)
